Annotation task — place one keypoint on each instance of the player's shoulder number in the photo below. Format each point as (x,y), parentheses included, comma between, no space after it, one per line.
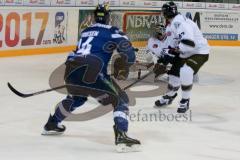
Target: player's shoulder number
(85,48)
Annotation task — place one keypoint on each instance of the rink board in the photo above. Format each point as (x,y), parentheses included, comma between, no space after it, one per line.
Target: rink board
(38,30)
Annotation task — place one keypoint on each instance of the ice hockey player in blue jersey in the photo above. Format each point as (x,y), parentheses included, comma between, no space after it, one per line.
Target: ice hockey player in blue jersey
(86,75)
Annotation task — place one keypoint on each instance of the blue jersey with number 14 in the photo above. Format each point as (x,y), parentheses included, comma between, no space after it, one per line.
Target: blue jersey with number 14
(101,40)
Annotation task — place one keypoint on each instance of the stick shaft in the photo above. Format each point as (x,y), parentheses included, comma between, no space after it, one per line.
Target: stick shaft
(63,86)
(142,78)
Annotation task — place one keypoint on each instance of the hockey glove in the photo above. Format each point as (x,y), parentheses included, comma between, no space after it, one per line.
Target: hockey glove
(166,59)
(173,51)
(121,68)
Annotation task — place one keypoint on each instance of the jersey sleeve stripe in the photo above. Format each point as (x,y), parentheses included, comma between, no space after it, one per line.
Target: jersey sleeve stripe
(119,36)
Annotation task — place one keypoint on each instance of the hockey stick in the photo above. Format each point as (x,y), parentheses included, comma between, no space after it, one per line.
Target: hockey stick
(142,78)
(23,95)
(34,93)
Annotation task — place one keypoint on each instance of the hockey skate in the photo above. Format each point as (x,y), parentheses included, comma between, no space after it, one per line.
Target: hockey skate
(124,143)
(53,128)
(165,100)
(184,106)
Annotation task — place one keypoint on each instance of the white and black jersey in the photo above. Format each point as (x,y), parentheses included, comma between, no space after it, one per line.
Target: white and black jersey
(155,46)
(189,37)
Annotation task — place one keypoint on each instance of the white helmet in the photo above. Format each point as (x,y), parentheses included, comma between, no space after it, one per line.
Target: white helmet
(159,31)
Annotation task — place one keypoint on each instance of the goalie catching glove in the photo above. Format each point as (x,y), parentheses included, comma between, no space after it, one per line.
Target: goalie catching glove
(121,68)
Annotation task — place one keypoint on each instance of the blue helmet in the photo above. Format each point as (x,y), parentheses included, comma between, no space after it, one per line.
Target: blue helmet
(169,10)
(102,14)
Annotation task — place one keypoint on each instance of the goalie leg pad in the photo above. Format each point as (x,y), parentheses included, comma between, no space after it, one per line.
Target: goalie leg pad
(159,69)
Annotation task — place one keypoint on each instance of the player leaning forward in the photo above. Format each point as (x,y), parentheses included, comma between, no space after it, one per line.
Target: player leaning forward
(191,53)
(86,75)
(156,43)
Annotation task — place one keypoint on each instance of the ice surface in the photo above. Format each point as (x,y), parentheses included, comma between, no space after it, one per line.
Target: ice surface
(213,133)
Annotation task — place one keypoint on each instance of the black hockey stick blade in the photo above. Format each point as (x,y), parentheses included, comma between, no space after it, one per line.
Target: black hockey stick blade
(32,94)
(17,92)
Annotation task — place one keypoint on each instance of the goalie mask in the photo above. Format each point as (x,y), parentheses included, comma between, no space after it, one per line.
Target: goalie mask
(160,31)
(102,14)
